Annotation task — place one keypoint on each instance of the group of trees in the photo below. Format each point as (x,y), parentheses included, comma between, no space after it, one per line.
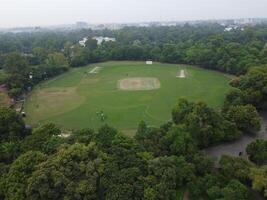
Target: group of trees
(22,75)
(250,88)
(208,126)
(257,151)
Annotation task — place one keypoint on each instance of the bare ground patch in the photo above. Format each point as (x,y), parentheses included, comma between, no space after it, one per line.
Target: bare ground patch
(52,101)
(138,83)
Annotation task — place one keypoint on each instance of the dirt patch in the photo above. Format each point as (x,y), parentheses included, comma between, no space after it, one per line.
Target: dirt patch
(51,102)
(139,84)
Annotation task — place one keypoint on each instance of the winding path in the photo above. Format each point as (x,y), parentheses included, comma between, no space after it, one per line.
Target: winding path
(233,148)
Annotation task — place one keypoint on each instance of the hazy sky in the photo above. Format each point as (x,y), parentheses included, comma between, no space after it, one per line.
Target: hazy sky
(51,12)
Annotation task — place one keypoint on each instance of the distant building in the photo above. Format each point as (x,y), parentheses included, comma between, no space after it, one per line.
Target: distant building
(101,39)
(149,62)
(83,41)
(232,28)
(227,29)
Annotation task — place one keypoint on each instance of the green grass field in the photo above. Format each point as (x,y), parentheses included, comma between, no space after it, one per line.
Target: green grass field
(75,99)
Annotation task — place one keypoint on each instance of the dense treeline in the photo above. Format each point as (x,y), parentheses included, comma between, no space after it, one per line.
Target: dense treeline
(46,54)
(45,163)
(250,89)
(207,45)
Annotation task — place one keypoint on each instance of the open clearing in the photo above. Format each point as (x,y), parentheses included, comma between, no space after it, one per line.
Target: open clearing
(123,92)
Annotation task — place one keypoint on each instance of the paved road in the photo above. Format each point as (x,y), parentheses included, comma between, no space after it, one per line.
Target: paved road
(233,148)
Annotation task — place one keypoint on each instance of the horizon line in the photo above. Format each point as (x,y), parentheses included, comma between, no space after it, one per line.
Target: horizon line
(130,22)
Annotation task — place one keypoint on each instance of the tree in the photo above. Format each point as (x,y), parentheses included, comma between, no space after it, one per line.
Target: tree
(91,44)
(15,92)
(21,169)
(124,170)
(259,179)
(105,136)
(142,131)
(3,171)
(57,60)
(181,110)
(9,151)
(206,125)
(72,173)
(125,183)
(15,63)
(257,151)
(165,176)
(68,49)
(41,138)
(151,139)
(84,136)
(16,83)
(208,186)
(179,142)
(12,126)
(79,57)
(40,54)
(203,163)
(235,168)
(245,117)
(253,86)
(235,190)
(170,53)
(213,187)
(233,98)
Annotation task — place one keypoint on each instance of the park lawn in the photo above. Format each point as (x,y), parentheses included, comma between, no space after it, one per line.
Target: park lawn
(75,99)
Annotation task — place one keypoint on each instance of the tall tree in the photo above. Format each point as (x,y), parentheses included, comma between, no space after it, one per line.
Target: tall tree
(15,63)
(245,117)
(257,151)
(12,126)
(72,173)
(16,181)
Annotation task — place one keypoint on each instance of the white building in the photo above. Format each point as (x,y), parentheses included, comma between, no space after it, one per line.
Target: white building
(101,39)
(149,62)
(83,41)
(98,39)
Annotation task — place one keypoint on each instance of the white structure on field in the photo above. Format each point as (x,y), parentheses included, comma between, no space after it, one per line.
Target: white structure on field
(182,74)
(149,62)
